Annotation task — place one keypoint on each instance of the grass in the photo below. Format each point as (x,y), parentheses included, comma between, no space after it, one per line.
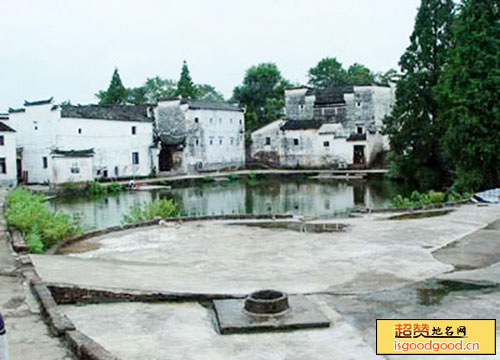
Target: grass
(162,208)
(417,199)
(41,227)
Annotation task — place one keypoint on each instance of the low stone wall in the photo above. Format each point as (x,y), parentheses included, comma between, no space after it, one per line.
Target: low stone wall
(100,232)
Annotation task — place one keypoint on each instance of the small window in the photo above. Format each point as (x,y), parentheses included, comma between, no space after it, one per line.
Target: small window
(220,141)
(116,171)
(135,158)
(105,173)
(98,172)
(232,141)
(134,130)
(326,143)
(211,120)
(295,142)
(2,140)
(3,166)
(197,142)
(358,104)
(36,127)
(241,121)
(79,131)
(196,120)
(302,106)
(360,130)
(230,120)
(45,162)
(211,141)
(268,141)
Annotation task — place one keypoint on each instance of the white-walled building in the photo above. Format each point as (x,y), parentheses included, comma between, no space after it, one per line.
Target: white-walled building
(334,127)
(58,144)
(8,172)
(198,136)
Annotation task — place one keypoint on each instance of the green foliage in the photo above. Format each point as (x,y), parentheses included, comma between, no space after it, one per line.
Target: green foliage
(207,92)
(469,93)
(116,94)
(114,187)
(162,208)
(262,93)
(96,188)
(385,78)
(41,227)
(208,179)
(358,74)
(328,72)
(412,128)
(185,85)
(233,177)
(157,89)
(417,199)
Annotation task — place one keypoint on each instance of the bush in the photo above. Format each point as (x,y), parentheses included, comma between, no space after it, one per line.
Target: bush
(95,188)
(417,199)
(114,187)
(30,214)
(233,177)
(162,208)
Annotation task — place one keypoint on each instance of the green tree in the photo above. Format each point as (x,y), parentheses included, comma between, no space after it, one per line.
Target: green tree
(185,85)
(469,93)
(208,93)
(328,72)
(385,78)
(413,129)
(262,93)
(157,89)
(137,95)
(358,74)
(116,94)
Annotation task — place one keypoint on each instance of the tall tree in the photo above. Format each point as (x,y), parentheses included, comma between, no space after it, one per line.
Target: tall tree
(469,93)
(262,93)
(116,94)
(208,93)
(358,74)
(185,85)
(413,129)
(387,77)
(328,72)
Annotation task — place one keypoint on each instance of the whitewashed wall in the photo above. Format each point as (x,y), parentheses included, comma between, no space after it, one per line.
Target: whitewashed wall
(8,151)
(71,169)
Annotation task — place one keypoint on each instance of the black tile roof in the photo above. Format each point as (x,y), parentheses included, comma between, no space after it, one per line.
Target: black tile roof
(209,105)
(11,110)
(332,95)
(4,128)
(38,102)
(74,153)
(108,112)
(301,124)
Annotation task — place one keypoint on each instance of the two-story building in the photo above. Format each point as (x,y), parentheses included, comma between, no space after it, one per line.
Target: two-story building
(8,172)
(58,144)
(199,136)
(335,127)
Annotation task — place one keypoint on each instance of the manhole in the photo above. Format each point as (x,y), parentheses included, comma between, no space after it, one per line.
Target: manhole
(267,310)
(266,302)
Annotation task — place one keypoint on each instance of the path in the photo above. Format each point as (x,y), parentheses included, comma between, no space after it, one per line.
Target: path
(27,335)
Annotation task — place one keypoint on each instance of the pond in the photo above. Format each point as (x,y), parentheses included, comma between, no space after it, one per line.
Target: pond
(298,196)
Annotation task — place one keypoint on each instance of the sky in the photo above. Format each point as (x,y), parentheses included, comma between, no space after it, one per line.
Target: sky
(69,48)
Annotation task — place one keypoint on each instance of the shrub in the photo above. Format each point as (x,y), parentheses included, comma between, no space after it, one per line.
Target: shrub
(162,208)
(30,214)
(417,199)
(233,177)
(95,188)
(114,187)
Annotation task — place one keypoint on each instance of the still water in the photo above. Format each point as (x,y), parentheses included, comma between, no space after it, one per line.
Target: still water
(311,198)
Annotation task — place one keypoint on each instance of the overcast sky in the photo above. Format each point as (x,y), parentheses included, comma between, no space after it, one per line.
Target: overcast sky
(69,48)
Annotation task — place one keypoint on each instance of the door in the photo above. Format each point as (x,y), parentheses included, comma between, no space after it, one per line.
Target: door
(359,155)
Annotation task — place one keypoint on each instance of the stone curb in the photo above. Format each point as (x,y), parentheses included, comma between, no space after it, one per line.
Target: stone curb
(18,243)
(100,232)
(85,348)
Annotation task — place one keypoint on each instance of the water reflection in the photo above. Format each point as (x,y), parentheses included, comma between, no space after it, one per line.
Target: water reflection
(308,198)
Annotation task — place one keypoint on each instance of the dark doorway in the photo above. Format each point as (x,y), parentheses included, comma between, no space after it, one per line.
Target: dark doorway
(20,170)
(166,161)
(359,154)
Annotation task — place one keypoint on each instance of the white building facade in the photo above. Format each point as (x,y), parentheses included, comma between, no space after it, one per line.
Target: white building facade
(58,144)
(338,127)
(199,136)
(8,165)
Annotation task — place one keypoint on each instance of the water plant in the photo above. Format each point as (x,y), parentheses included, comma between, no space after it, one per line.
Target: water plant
(161,208)
(41,227)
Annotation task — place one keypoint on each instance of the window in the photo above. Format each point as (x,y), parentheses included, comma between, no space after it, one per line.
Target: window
(79,131)
(3,166)
(196,120)
(241,121)
(211,120)
(135,158)
(116,170)
(134,130)
(232,141)
(358,104)
(302,106)
(268,141)
(105,173)
(36,127)
(295,142)
(220,141)
(2,141)
(326,143)
(360,130)
(45,162)
(211,141)
(230,120)
(197,142)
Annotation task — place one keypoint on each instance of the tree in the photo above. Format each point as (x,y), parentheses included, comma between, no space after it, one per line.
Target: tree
(116,94)
(469,94)
(207,92)
(358,74)
(262,93)
(328,72)
(413,129)
(384,78)
(157,89)
(185,86)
